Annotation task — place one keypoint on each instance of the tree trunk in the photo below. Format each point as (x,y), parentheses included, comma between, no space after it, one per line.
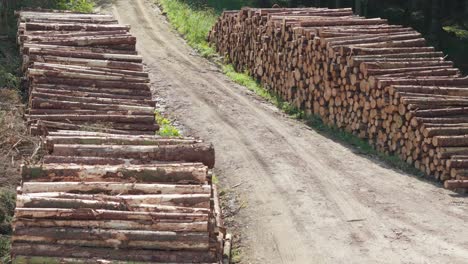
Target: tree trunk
(51,250)
(200,152)
(168,173)
(110,188)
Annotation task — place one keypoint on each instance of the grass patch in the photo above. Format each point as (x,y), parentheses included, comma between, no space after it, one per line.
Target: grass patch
(246,80)
(214,179)
(166,129)
(192,22)
(84,6)
(236,255)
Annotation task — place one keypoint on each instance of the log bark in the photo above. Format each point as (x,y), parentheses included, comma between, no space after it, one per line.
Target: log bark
(189,200)
(456,184)
(155,173)
(116,225)
(41,103)
(94,89)
(84,55)
(52,250)
(111,188)
(117,140)
(32,26)
(165,214)
(27,46)
(200,152)
(98,63)
(84,82)
(142,119)
(62,73)
(137,239)
(136,203)
(43,127)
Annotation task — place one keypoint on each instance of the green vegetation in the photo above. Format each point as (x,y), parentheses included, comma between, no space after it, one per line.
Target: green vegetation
(192,23)
(214,179)
(166,129)
(9,64)
(85,6)
(246,80)
(7,208)
(236,255)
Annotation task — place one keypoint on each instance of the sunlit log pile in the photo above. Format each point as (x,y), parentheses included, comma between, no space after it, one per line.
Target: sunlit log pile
(379,81)
(108,189)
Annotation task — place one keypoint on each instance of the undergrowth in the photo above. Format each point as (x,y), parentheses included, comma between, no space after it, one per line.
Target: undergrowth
(84,6)
(166,129)
(193,23)
(7,208)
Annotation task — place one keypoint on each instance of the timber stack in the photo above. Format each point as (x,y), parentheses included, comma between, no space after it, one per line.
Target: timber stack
(378,81)
(108,190)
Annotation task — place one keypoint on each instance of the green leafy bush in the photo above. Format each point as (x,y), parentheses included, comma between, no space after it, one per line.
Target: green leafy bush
(169,131)
(193,24)
(85,6)
(166,129)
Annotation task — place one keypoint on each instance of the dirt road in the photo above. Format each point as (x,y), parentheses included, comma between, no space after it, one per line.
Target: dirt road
(308,199)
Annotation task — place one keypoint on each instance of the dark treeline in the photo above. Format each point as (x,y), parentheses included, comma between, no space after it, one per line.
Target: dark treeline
(444,23)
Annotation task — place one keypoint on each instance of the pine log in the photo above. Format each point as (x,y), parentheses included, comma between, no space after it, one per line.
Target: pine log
(91,94)
(165,214)
(79,75)
(90,70)
(27,46)
(98,63)
(85,82)
(125,203)
(200,152)
(142,119)
(163,256)
(158,173)
(59,97)
(56,104)
(85,55)
(111,188)
(117,140)
(94,89)
(456,184)
(74,27)
(175,226)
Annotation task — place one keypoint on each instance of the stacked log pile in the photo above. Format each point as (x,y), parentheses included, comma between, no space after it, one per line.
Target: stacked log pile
(108,190)
(378,81)
(83,69)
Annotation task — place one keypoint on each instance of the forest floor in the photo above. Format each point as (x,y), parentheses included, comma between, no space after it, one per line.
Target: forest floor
(291,194)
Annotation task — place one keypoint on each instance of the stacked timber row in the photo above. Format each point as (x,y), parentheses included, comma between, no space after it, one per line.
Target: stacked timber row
(378,81)
(108,189)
